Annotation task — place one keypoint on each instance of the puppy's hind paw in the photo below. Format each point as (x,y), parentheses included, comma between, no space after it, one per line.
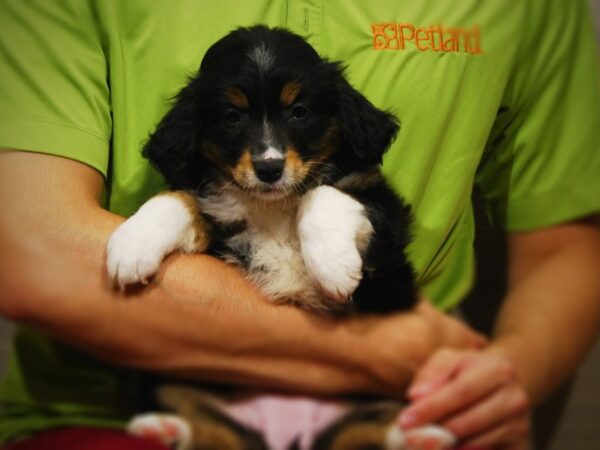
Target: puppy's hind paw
(171,430)
(429,437)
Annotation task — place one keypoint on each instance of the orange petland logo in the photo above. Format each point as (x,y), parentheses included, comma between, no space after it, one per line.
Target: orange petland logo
(436,38)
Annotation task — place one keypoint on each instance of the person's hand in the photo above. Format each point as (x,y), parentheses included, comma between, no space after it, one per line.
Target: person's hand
(475,394)
(394,347)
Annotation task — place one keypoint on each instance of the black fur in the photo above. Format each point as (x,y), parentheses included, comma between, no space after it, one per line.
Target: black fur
(204,137)
(174,147)
(388,278)
(366,130)
(197,139)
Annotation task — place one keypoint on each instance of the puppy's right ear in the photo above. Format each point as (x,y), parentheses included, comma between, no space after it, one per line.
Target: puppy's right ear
(366,130)
(174,147)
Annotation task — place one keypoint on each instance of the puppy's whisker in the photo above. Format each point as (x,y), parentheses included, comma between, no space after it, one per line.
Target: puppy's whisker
(322,164)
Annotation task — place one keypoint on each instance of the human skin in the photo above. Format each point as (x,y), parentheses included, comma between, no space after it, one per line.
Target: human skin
(54,239)
(548,322)
(200,319)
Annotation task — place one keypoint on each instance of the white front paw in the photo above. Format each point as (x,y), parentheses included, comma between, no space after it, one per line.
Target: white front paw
(134,253)
(333,230)
(135,250)
(171,430)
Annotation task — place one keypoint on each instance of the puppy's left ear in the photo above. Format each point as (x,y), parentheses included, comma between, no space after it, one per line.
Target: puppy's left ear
(366,130)
(174,147)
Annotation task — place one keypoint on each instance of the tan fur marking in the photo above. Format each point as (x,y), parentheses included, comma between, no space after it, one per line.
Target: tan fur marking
(289,92)
(243,170)
(212,435)
(294,163)
(366,433)
(207,431)
(237,97)
(363,435)
(201,230)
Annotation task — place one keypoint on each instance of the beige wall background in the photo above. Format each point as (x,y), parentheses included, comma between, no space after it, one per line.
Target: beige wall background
(579,428)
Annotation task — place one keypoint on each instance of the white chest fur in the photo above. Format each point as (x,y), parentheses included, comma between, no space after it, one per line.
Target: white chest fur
(307,250)
(270,243)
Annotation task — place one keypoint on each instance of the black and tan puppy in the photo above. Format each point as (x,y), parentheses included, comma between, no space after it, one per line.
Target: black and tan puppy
(274,159)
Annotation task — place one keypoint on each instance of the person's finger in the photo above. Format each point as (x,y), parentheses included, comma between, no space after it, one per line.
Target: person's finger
(510,435)
(436,371)
(470,385)
(505,405)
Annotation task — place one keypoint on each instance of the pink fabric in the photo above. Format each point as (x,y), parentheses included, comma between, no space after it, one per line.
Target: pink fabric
(281,417)
(84,438)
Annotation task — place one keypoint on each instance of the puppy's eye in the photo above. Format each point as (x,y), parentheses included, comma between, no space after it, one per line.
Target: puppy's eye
(232,117)
(299,112)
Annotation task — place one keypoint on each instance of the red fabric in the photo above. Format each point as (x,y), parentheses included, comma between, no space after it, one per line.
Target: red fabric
(471,448)
(84,438)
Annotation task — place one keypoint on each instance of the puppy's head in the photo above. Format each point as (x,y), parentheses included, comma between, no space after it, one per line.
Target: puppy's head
(269,115)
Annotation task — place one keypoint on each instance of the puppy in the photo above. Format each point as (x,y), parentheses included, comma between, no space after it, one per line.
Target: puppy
(274,160)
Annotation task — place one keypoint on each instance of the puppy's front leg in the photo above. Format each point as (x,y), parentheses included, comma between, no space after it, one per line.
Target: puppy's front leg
(334,232)
(165,223)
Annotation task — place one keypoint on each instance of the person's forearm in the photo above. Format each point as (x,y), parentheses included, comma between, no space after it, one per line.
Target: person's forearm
(546,324)
(200,319)
(552,312)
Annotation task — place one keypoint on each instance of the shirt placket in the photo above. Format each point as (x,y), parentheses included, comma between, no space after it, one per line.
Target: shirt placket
(304,17)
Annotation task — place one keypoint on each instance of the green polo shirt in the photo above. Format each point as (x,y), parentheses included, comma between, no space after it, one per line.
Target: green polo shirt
(504,95)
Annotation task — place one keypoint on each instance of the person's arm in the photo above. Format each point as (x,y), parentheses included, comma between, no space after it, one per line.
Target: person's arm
(552,314)
(201,319)
(547,323)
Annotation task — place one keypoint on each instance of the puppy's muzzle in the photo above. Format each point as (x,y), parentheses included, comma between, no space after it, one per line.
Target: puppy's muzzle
(268,170)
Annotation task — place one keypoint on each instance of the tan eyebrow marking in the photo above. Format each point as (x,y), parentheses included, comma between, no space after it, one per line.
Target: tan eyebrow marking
(289,92)
(237,97)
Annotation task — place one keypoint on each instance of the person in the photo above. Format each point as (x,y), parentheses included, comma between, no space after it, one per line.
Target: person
(497,95)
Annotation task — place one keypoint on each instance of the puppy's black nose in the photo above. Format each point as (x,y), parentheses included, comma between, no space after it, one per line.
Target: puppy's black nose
(269,170)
